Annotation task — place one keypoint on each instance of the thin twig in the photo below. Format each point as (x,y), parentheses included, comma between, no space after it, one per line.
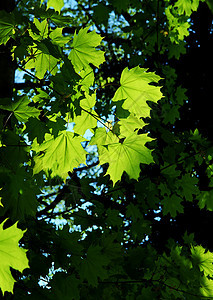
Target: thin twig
(154,280)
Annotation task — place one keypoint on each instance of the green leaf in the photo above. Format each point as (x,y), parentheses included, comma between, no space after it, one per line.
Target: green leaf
(188,185)
(183,30)
(60,154)
(203,259)
(129,125)
(45,54)
(40,30)
(206,288)
(210,5)
(180,95)
(56,4)
(206,199)
(87,80)
(11,256)
(176,50)
(42,62)
(101,13)
(172,205)
(125,156)
(19,198)
(178,25)
(88,118)
(14,149)
(47,47)
(65,287)
(58,38)
(93,267)
(36,129)
(21,109)
(133,212)
(136,90)
(102,138)
(113,218)
(120,5)
(7,25)
(170,113)
(83,50)
(186,6)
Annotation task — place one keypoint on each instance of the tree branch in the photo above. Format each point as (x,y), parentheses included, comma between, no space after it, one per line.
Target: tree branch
(53,204)
(158,281)
(30,84)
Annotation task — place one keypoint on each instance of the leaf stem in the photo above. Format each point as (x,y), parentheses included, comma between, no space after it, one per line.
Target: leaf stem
(5,124)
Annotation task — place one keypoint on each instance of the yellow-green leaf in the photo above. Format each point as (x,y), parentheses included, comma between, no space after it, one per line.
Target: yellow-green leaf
(11,256)
(136,90)
(83,50)
(60,154)
(56,4)
(21,109)
(122,155)
(7,25)
(88,118)
(203,259)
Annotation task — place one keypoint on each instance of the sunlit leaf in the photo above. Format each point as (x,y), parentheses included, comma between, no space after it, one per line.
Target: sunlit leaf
(21,109)
(60,154)
(7,25)
(203,259)
(118,154)
(11,256)
(136,90)
(83,50)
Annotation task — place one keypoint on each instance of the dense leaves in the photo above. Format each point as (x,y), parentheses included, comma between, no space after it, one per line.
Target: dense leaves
(106,149)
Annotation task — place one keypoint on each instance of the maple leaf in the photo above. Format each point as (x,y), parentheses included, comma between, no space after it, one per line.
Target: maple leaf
(206,199)
(183,30)
(88,117)
(176,50)
(172,205)
(203,259)
(186,6)
(61,154)
(42,30)
(101,138)
(136,90)
(133,212)
(170,113)
(121,5)
(42,62)
(21,110)
(87,80)
(178,27)
(126,156)
(35,129)
(65,287)
(206,288)
(44,53)
(58,38)
(18,197)
(188,185)
(180,95)
(129,125)
(11,256)
(83,50)
(56,4)
(7,26)
(92,267)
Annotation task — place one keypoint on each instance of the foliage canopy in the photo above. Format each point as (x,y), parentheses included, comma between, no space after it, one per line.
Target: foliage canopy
(106,149)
